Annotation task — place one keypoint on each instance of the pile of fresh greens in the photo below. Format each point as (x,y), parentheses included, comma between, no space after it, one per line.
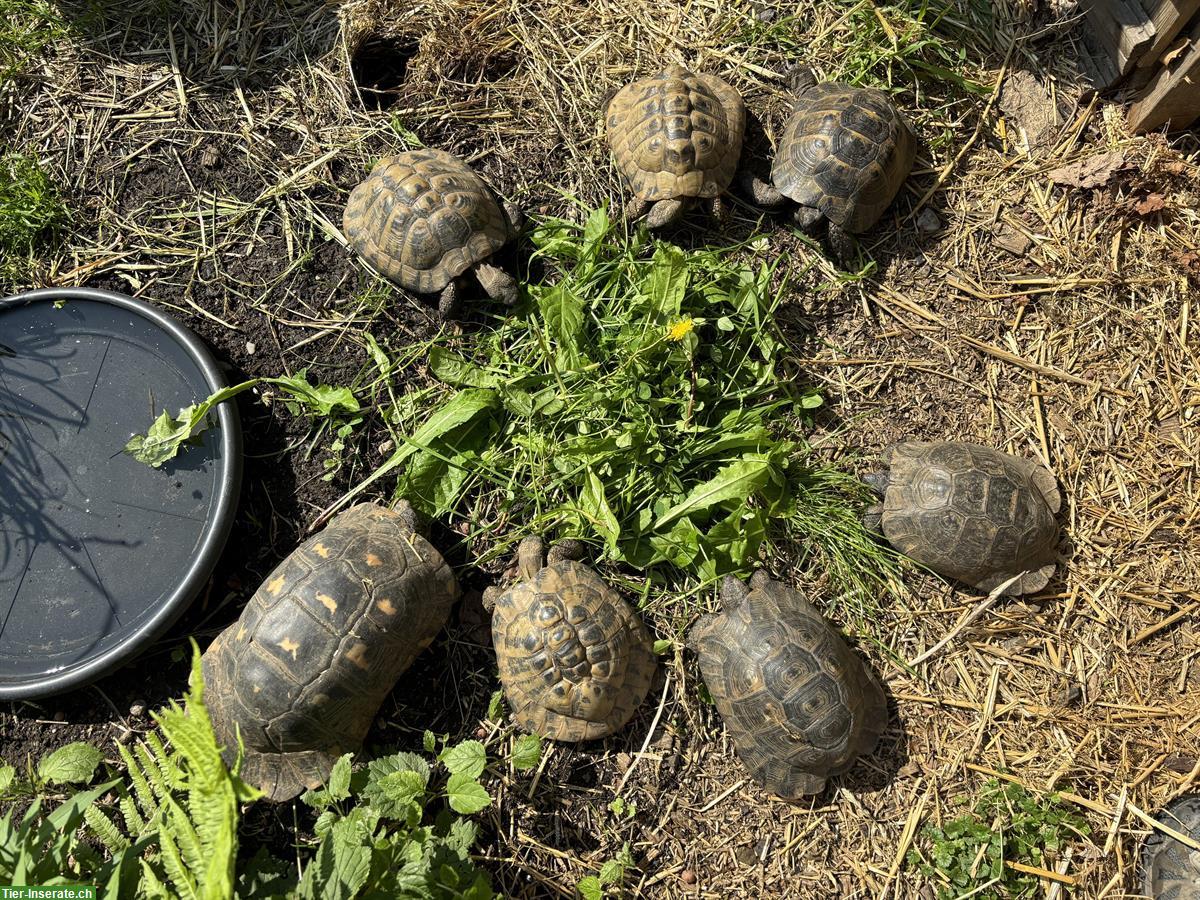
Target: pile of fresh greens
(638,400)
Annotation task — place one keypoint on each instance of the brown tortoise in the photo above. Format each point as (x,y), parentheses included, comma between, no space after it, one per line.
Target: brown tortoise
(676,137)
(575,660)
(423,218)
(799,705)
(303,671)
(1171,869)
(969,512)
(843,157)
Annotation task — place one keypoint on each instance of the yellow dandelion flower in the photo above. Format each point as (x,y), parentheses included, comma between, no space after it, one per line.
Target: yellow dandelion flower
(680,330)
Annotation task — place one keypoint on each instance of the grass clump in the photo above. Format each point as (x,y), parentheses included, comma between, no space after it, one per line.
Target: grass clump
(32,210)
(638,400)
(27,29)
(974,854)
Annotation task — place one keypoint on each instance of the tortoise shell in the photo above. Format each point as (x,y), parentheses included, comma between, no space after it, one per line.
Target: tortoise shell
(575,659)
(677,134)
(303,671)
(422,218)
(799,705)
(972,513)
(845,152)
(1171,869)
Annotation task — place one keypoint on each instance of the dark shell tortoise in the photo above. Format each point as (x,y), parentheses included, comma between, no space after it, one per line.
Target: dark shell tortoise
(799,705)
(302,672)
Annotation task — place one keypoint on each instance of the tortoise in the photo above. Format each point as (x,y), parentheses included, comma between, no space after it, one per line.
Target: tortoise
(844,154)
(422,218)
(302,672)
(799,705)
(676,137)
(575,660)
(1171,869)
(969,512)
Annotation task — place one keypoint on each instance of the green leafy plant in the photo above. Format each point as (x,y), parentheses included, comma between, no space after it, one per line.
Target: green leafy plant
(612,875)
(640,400)
(973,853)
(32,210)
(337,407)
(375,837)
(27,28)
(177,808)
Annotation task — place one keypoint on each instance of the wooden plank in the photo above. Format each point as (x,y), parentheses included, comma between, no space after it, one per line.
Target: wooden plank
(1123,27)
(1174,94)
(1169,18)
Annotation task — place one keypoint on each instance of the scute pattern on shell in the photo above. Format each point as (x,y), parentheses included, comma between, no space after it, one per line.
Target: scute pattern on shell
(797,702)
(677,134)
(972,513)
(304,669)
(422,218)
(1172,869)
(846,152)
(575,660)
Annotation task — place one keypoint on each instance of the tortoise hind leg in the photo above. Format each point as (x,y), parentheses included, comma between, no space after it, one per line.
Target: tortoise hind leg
(1032,581)
(761,191)
(499,284)
(448,301)
(566,550)
(665,213)
(282,776)
(637,208)
(842,245)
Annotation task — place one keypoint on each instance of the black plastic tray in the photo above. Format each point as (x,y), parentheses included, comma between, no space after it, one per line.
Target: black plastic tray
(99,554)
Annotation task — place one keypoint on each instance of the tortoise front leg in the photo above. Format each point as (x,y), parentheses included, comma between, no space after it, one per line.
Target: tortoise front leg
(566,549)
(665,213)
(733,592)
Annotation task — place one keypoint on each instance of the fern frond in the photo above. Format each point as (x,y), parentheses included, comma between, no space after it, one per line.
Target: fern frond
(182,882)
(152,885)
(135,825)
(141,787)
(105,830)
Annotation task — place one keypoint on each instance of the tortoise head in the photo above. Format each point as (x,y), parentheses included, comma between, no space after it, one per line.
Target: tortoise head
(804,79)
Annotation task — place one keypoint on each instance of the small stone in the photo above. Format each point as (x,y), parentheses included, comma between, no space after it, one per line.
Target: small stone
(210,157)
(928,221)
(746,856)
(688,877)
(125,736)
(250,347)
(481,732)
(137,708)
(624,761)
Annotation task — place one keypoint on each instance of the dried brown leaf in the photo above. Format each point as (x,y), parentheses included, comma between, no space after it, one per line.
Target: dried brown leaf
(1091,172)
(1151,204)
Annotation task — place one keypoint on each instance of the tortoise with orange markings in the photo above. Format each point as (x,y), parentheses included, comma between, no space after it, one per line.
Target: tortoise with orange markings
(575,660)
(676,137)
(301,674)
(423,219)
